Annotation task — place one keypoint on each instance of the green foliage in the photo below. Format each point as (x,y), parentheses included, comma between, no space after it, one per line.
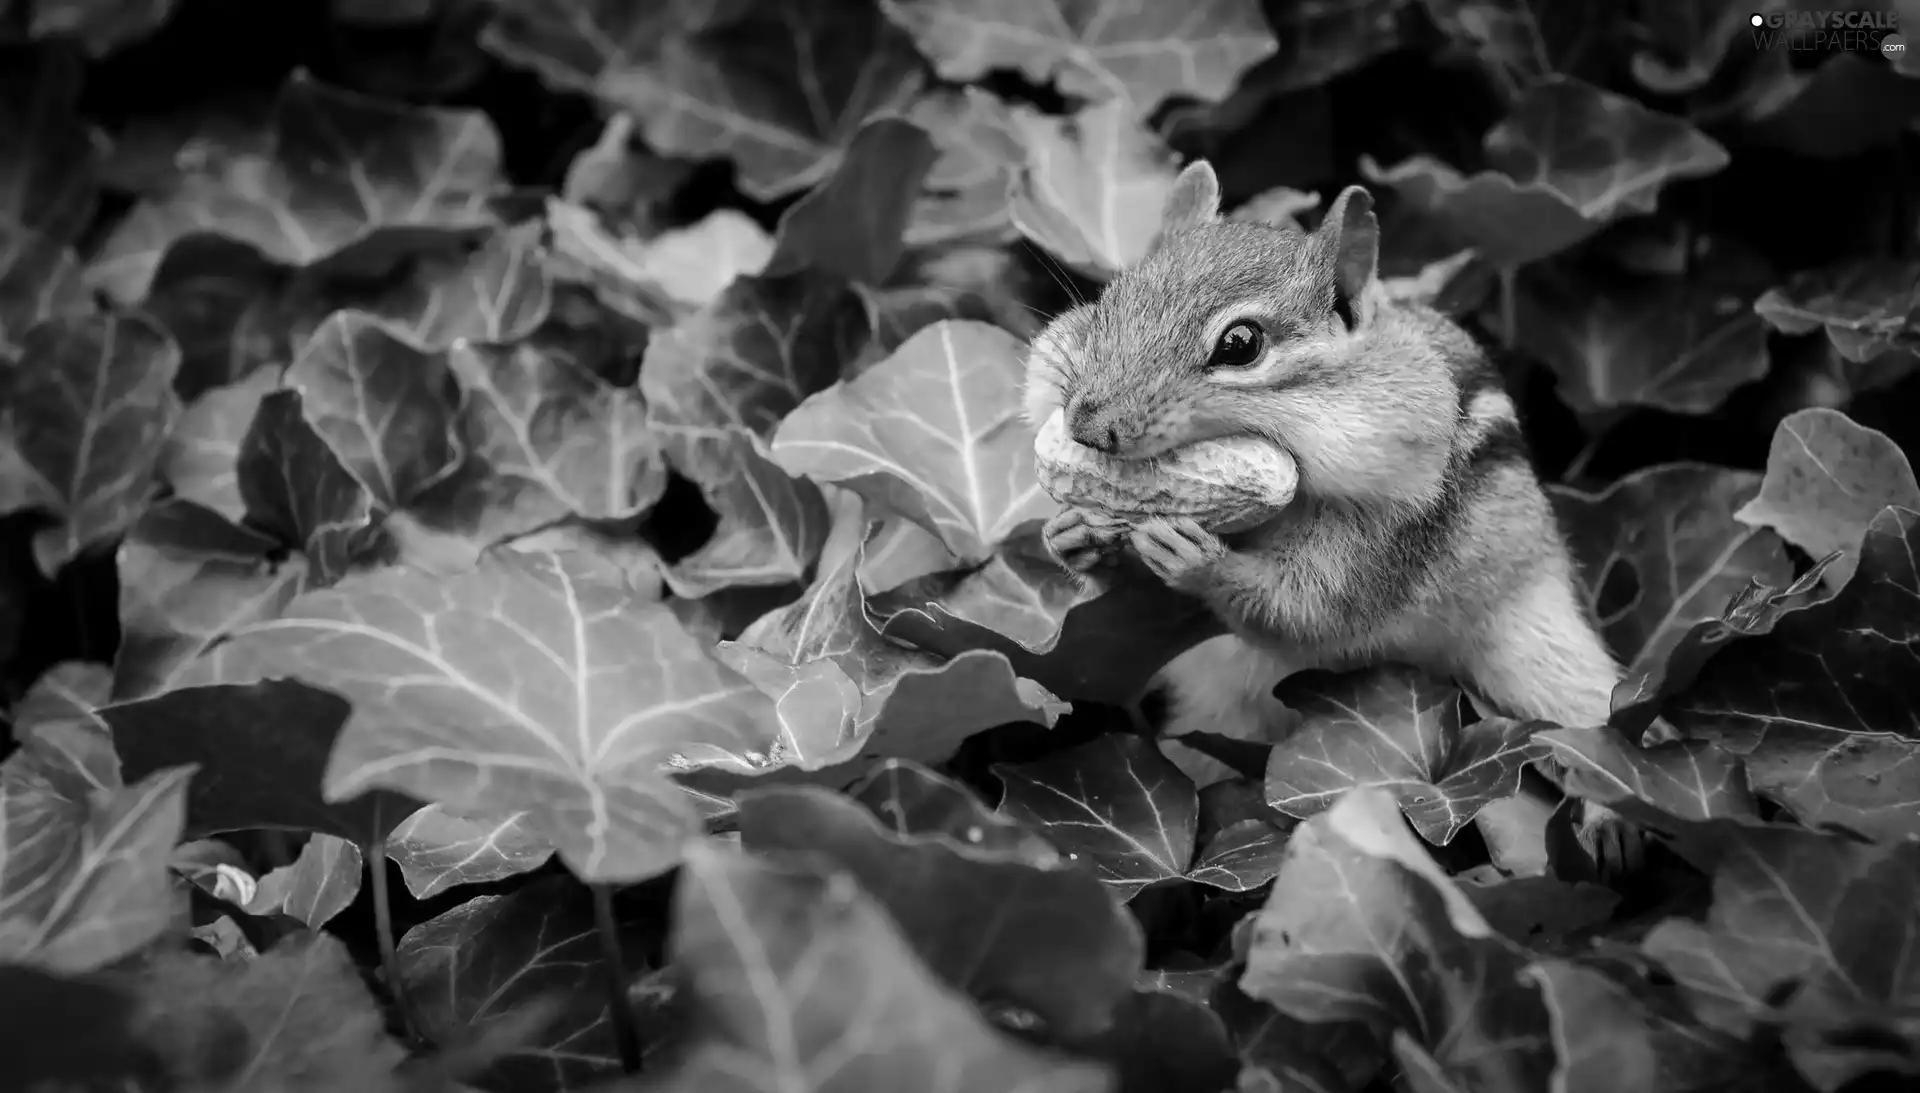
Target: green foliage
(572,450)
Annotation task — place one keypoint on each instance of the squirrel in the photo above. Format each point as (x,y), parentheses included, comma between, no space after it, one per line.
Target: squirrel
(1419,533)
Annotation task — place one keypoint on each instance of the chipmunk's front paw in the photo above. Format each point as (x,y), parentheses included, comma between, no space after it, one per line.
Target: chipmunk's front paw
(1616,845)
(1080,539)
(1178,550)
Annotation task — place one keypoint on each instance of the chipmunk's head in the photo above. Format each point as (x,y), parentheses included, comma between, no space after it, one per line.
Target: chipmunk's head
(1232,327)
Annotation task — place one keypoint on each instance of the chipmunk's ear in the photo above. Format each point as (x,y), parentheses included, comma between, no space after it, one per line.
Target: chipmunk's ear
(1349,238)
(1195,200)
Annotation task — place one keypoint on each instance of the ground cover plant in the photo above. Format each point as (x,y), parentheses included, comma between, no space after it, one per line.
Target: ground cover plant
(520,559)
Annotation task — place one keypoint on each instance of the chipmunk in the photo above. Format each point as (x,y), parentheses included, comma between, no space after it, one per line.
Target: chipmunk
(1419,532)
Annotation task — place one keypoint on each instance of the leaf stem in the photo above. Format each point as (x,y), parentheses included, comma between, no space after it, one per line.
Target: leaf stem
(375,854)
(626,1033)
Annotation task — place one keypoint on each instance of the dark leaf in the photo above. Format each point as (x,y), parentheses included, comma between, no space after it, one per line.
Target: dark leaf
(1116,803)
(1867,306)
(493,956)
(63,1032)
(1615,1032)
(1531,911)
(262,749)
(39,279)
(853,225)
(1397,729)
(50,180)
(798,980)
(298,491)
(1161,1042)
(1024,928)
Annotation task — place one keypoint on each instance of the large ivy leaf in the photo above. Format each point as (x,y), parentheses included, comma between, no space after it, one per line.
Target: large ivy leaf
(1122,807)
(85,407)
(1135,51)
(494,955)
(799,981)
(1569,159)
(262,751)
(933,433)
(845,692)
(1397,729)
(1679,344)
(535,681)
(1795,908)
(1866,306)
(1660,550)
(1092,185)
(1822,706)
(1028,929)
(728,374)
(346,180)
(1827,478)
(83,877)
(779,87)
(384,406)
(1363,925)
(436,849)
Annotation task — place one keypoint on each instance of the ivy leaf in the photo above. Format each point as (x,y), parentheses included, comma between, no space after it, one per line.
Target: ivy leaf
(1115,802)
(50,182)
(384,406)
(1568,160)
(1660,550)
(496,955)
(85,408)
(1867,306)
(1362,925)
(188,579)
(933,433)
(1827,478)
(39,279)
(56,717)
(650,280)
(965,194)
(437,849)
(1615,1031)
(299,492)
(853,225)
(201,456)
(1819,705)
(729,374)
(1139,52)
(798,963)
(422,176)
(1010,928)
(1092,186)
(1396,729)
(1679,344)
(534,681)
(779,87)
(83,877)
(1690,779)
(261,749)
(321,883)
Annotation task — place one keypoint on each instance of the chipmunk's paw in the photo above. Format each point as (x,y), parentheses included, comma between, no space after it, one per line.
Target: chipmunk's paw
(1178,550)
(1080,539)
(1616,845)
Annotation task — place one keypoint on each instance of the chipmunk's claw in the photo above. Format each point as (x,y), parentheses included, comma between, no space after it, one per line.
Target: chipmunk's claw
(1081,540)
(1617,845)
(1177,549)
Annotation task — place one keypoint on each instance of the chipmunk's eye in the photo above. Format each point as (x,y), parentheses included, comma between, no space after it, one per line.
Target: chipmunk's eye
(1239,346)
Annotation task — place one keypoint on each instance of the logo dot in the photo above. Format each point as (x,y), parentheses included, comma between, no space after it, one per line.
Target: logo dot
(1756,19)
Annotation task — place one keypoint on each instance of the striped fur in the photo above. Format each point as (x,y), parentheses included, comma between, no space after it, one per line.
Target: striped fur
(1420,532)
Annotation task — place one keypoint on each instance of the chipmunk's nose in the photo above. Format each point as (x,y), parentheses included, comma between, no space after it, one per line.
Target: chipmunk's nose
(1086,427)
